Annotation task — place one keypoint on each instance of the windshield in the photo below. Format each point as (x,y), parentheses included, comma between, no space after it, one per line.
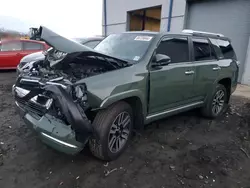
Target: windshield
(127,46)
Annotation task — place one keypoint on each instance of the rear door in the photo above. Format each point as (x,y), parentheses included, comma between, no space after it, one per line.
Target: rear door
(206,67)
(10,54)
(172,85)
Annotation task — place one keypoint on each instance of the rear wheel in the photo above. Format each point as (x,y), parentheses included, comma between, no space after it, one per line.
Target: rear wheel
(114,127)
(217,104)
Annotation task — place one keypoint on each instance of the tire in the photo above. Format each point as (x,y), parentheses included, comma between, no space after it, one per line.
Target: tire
(209,110)
(106,125)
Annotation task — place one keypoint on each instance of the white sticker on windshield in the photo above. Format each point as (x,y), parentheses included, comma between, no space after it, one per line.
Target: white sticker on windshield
(136,58)
(143,38)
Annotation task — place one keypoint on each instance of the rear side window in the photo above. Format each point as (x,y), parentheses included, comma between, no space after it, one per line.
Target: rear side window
(11,46)
(176,48)
(202,50)
(227,49)
(32,46)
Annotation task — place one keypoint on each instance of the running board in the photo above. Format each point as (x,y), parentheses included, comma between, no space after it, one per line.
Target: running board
(156,116)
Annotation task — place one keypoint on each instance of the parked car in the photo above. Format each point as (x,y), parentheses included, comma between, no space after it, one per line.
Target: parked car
(27,61)
(79,95)
(12,51)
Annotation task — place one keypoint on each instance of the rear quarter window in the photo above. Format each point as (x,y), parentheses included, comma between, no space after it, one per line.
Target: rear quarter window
(216,48)
(227,49)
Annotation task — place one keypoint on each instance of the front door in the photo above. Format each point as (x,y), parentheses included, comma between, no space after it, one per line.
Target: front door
(172,85)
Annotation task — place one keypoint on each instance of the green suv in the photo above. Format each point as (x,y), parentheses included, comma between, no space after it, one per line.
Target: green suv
(78,95)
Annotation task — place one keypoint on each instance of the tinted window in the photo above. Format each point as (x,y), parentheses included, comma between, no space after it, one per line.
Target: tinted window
(227,49)
(216,48)
(92,44)
(32,46)
(128,46)
(202,50)
(175,48)
(11,46)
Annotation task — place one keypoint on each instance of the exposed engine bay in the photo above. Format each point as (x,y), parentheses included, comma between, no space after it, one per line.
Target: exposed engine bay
(73,67)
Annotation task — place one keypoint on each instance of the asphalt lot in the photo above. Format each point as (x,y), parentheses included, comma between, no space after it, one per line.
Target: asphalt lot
(182,151)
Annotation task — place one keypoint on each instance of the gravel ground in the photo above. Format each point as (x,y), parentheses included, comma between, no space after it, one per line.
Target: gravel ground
(182,151)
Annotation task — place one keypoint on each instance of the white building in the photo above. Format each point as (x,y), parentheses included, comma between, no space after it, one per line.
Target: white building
(229,17)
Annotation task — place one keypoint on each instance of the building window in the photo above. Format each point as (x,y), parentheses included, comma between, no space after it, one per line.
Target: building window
(145,19)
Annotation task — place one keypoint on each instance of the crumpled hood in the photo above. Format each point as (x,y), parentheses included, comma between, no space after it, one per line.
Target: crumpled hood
(61,43)
(69,46)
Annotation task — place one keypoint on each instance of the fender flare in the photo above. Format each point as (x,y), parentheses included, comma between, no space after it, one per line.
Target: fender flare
(124,95)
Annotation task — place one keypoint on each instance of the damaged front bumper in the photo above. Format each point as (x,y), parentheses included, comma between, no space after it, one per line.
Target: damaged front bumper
(54,133)
(68,137)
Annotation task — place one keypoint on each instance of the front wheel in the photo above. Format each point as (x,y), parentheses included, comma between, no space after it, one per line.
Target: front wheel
(114,127)
(217,103)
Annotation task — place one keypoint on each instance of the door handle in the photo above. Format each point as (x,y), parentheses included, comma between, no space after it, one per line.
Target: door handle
(216,68)
(189,72)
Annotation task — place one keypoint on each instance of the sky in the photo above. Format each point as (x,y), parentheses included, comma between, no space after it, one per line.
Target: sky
(74,18)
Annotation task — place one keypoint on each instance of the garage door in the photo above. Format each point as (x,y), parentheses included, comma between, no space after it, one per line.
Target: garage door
(229,17)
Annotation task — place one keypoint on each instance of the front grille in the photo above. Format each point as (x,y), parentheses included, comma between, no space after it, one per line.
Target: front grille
(30,106)
(29,85)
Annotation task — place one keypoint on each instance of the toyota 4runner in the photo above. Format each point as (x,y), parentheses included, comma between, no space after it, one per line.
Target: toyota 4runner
(78,96)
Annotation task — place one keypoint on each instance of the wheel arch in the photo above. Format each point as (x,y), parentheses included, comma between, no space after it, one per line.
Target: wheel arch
(227,83)
(136,99)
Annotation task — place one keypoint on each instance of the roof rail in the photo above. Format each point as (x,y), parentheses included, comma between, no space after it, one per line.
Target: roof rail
(201,32)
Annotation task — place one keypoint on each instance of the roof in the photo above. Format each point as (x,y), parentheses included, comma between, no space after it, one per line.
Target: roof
(143,32)
(201,34)
(23,40)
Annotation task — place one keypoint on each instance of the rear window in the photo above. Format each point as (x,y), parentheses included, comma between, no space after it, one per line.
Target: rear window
(202,50)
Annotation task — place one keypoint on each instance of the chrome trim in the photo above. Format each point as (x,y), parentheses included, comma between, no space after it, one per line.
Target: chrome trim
(216,68)
(23,92)
(13,89)
(28,80)
(189,72)
(59,141)
(175,109)
(49,82)
(17,104)
(190,31)
(56,79)
(20,91)
(57,84)
(47,104)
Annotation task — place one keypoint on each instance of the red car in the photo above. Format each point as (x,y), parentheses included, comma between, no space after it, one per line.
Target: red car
(12,51)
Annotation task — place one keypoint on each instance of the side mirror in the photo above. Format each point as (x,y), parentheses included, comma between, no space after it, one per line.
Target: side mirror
(160,60)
